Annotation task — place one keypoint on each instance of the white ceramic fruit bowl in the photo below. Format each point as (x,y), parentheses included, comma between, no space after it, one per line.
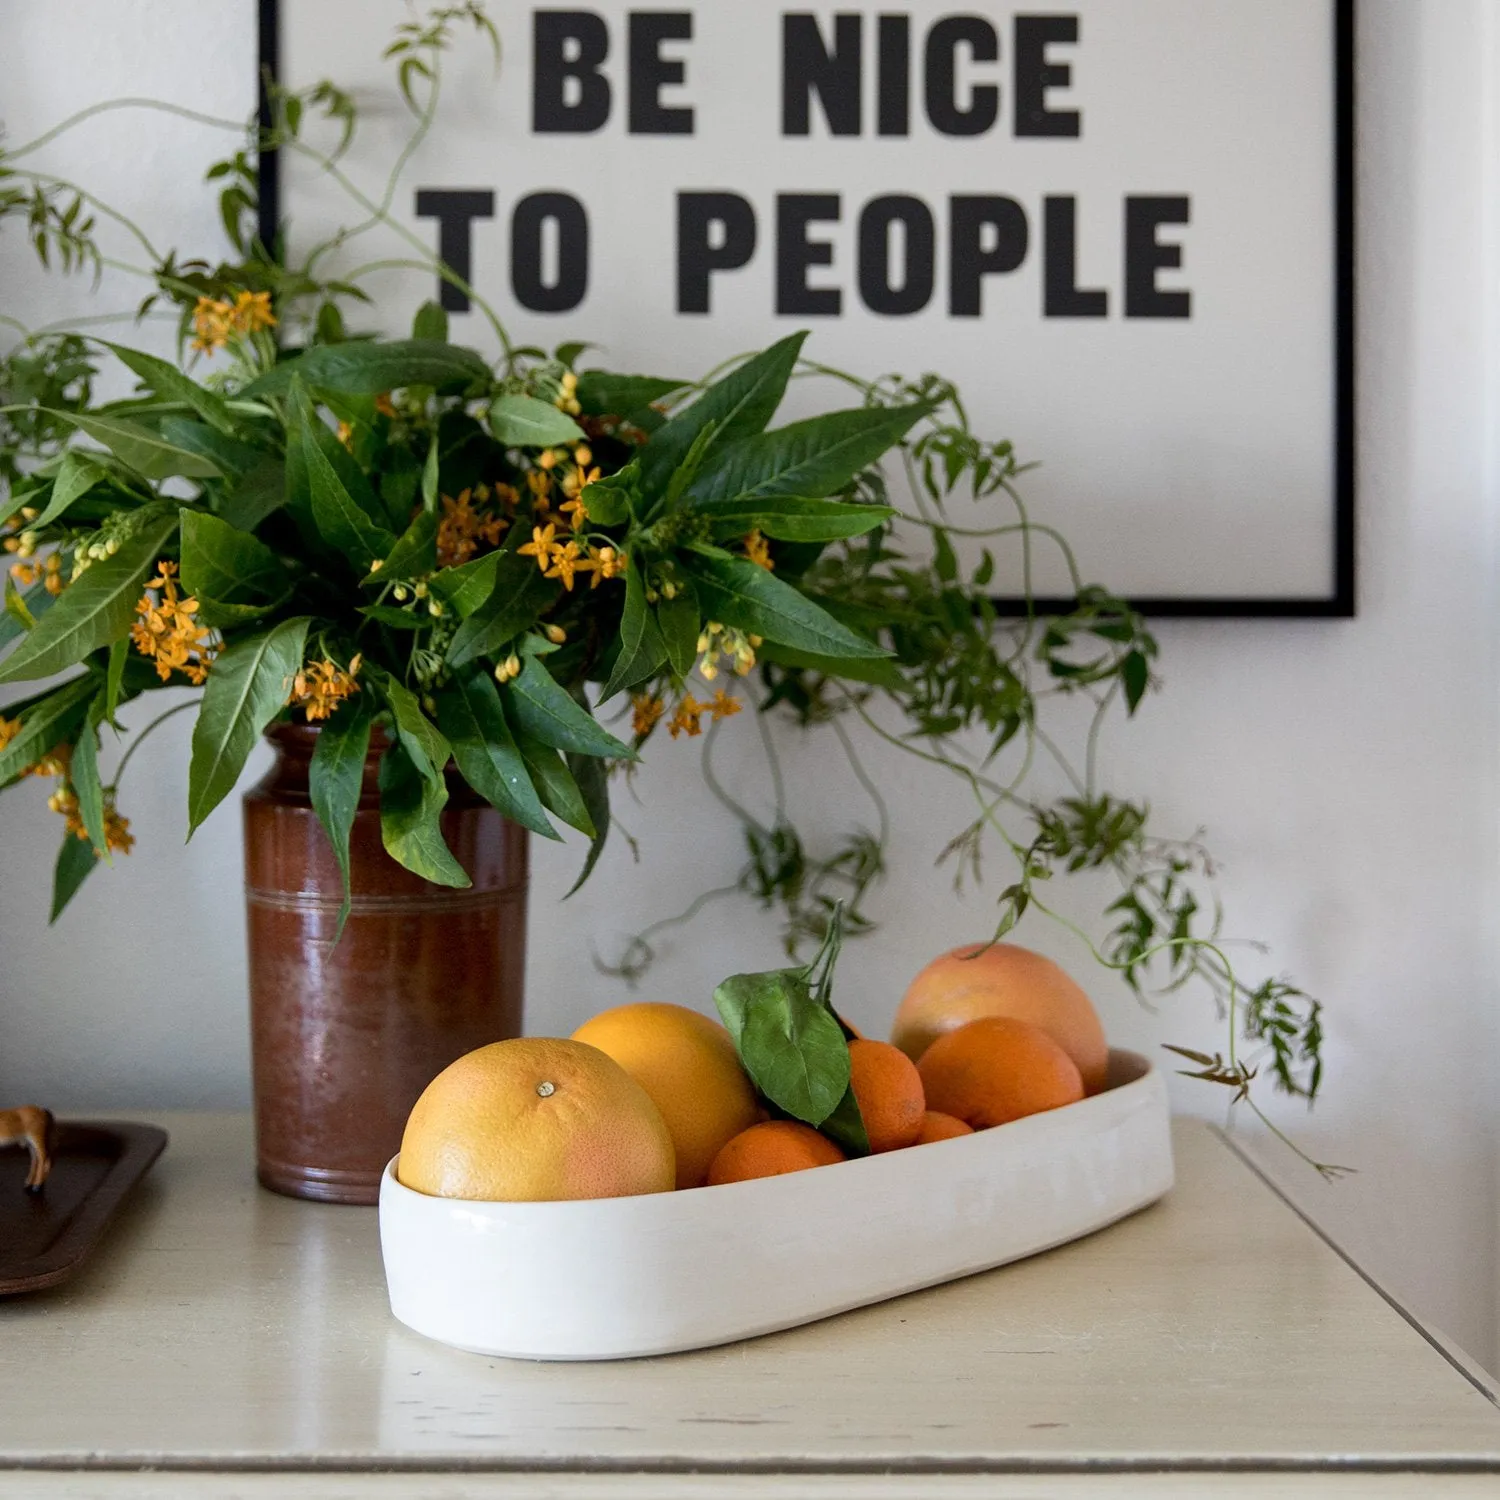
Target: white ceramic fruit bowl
(613,1278)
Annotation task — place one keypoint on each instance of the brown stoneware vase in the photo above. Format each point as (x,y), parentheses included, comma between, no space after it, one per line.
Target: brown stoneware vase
(344,1038)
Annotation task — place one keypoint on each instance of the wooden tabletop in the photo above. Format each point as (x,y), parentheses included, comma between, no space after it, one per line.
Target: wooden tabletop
(226,1330)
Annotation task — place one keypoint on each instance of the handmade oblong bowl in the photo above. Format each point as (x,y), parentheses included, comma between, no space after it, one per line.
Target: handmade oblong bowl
(616,1278)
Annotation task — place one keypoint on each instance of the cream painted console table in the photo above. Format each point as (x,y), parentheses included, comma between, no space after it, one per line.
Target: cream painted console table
(229,1343)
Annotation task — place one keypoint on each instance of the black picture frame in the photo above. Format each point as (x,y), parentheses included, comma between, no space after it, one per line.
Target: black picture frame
(1340,604)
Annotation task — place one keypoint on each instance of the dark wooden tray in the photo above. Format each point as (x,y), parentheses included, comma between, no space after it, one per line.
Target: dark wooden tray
(46,1236)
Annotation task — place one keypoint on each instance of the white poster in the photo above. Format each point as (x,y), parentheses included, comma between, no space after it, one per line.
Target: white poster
(1120,226)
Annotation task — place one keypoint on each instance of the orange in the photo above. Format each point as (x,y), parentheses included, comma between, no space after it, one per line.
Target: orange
(687,1063)
(998,1069)
(888,1090)
(771,1149)
(534,1119)
(940,1127)
(1002,980)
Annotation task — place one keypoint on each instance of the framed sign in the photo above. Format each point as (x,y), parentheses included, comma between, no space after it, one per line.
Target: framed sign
(1124,228)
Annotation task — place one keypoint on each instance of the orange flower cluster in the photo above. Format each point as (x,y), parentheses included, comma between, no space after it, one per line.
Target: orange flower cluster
(321,686)
(648,711)
(9,729)
(215,322)
(689,713)
(167,631)
(462,527)
(563,560)
(758,551)
(117,834)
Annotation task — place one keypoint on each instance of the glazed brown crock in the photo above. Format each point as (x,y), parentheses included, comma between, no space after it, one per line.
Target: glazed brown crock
(344,1038)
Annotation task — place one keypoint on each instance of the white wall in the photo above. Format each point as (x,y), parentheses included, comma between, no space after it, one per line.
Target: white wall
(1345,771)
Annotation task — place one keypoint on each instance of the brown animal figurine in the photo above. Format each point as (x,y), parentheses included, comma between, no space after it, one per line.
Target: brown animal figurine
(33,1128)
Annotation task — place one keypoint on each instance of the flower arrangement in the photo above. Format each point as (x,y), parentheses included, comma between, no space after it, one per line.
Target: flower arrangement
(534,569)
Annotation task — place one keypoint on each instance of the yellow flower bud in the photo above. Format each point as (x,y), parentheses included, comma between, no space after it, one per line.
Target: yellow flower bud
(583,455)
(555,633)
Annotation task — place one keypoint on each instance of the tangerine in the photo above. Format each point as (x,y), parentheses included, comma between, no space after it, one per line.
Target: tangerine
(888,1090)
(687,1064)
(996,1070)
(535,1119)
(770,1150)
(1002,979)
(936,1126)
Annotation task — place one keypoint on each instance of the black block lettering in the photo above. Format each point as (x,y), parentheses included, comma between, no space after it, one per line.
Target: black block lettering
(1035,75)
(528,273)
(808,67)
(650,72)
(796,254)
(1145,255)
(568,47)
(988,236)
(455,213)
(1062,297)
(943,42)
(715,232)
(876,284)
(893,101)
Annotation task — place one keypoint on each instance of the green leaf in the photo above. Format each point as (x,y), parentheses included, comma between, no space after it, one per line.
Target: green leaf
(76,476)
(792,1047)
(335,779)
(139,448)
(739,593)
(555,784)
(592,779)
(341,521)
(430,324)
(247,687)
(397,619)
(846,1126)
(610,501)
(36,601)
(427,748)
(602,394)
(541,707)
(260,493)
(517,599)
(411,806)
(687,471)
(229,566)
(881,673)
(231,457)
(306,431)
(811,459)
(75,863)
(414,554)
(94,610)
(1135,673)
(16,607)
(470,584)
(739,406)
(790,518)
(473,722)
(642,649)
(680,625)
(526,422)
(47,723)
(114,677)
(83,773)
(170,383)
(431,476)
(372,369)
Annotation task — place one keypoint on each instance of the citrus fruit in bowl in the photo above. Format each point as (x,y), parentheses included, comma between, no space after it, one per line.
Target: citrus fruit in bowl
(1002,979)
(687,1064)
(535,1119)
(998,1069)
